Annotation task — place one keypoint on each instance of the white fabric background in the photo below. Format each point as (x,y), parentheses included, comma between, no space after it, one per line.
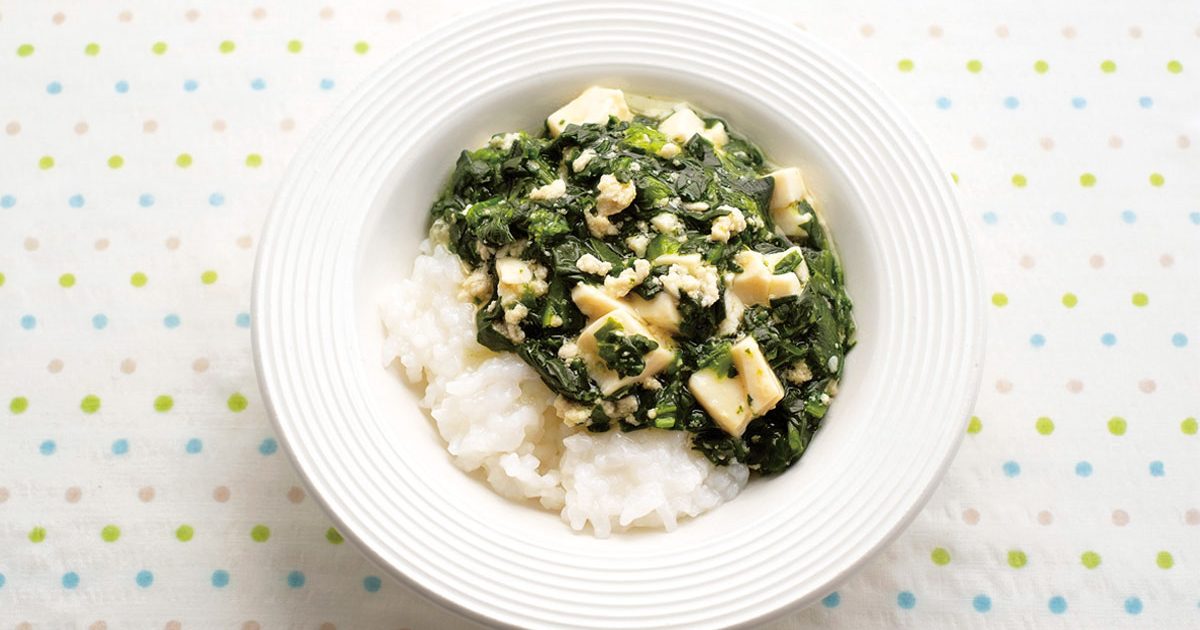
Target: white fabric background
(93,506)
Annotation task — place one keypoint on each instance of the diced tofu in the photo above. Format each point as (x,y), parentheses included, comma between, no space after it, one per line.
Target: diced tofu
(513,271)
(659,311)
(758,284)
(595,105)
(757,377)
(669,150)
(734,309)
(609,381)
(682,125)
(801,270)
(614,196)
(593,301)
(789,187)
(585,157)
(716,135)
(588,263)
(553,190)
(723,398)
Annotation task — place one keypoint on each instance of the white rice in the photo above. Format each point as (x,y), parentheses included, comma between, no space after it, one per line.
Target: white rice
(613,481)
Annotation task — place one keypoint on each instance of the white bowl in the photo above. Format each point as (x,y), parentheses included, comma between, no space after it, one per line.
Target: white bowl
(354,206)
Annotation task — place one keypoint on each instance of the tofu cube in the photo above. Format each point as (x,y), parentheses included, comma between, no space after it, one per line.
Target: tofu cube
(757,377)
(724,398)
(609,381)
(789,187)
(790,220)
(681,126)
(759,284)
(593,301)
(595,105)
(513,271)
(660,311)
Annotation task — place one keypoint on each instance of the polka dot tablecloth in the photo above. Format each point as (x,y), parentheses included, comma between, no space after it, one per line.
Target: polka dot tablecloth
(142,484)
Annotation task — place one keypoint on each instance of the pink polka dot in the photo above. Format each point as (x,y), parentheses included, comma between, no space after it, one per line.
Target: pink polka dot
(1148,386)
(128,366)
(101,244)
(31,244)
(4,494)
(200,365)
(173,625)
(146,494)
(221,494)
(287,124)
(1183,142)
(251,625)
(1120,518)
(73,494)
(1166,260)
(245,241)
(1002,31)
(1096,261)
(1135,32)
(1074,386)
(54,366)
(1045,517)
(24,625)
(192,15)
(172,243)
(867,30)
(12,128)
(393,16)
(978,143)
(935,31)
(326,13)
(327,626)
(125,16)
(150,126)
(1047,143)
(970,516)
(218,125)
(58,18)
(258,13)
(1027,261)
(295,494)
(1003,386)
(1116,142)
(81,128)
(1192,517)
(800,25)
(1069,32)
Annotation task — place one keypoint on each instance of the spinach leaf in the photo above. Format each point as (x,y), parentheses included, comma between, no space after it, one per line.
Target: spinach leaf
(622,353)
(789,263)
(569,378)
(491,221)
(486,321)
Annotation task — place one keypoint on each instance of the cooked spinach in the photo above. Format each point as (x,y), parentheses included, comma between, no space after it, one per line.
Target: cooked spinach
(622,353)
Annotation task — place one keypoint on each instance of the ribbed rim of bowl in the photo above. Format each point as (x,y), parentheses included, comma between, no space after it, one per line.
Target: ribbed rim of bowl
(307,353)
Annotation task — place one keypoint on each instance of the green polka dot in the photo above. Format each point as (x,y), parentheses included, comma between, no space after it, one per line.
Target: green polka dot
(1156,179)
(67,280)
(260,533)
(1,279)
(46,162)
(1017,559)
(295,46)
(362,48)
(138,279)
(92,49)
(940,556)
(159,48)
(1108,66)
(1174,67)
(975,425)
(334,536)
(208,277)
(254,160)
(1164,560)
(116,161)
(24,50)
(1117,425)
(905,65)
(110,533)
(237,402)
(37,534)
(90,403)
(1069,300)
(1140,299)
(20,404)
(1087,180)
(183,160)
(974,66)
(163,403)
(227,47)
(1019,180)
(999,299)
(1090,559)
(954,176)
(1188,426)
(1041,67)
(184,533)
(1044,425)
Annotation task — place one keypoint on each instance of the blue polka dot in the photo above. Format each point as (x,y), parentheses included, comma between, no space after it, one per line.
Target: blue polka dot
(70,579)
(99,321)
(1133,606)
(144,579)
(906,600)
(258,84)
(1146,102)
(943,103)
(990,218)
(146,200)
(1157,469)
(1079,102)
(216,199)
(242,320)
(47,447)
(171,321)
(1012,102)
(1195,216)
(832,600)
(1011,468)
(268,446)
(54,87)
(1108,339)
(372,584)
(194,446)
(220,578)
(28,322)
(1129,216)
(295,579)
(2,580)
(1058,605)
(76,201)
(981,603)
(326,84)
(1058,218)
(122,87)
(1083,469)
(1037,340)
(1179,340)
(120,447)
(190,85)
(8,201)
